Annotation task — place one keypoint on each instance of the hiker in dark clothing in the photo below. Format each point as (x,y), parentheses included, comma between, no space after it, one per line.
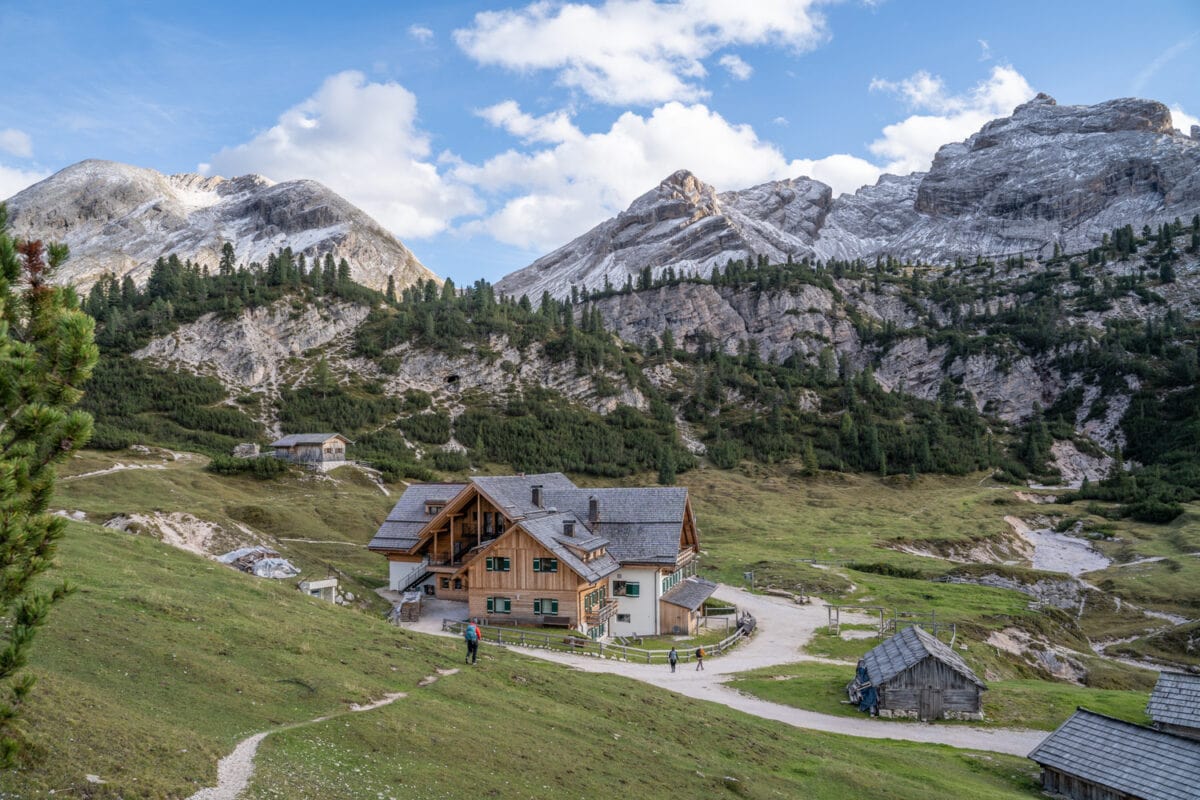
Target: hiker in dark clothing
(471,634)
(699,658)
(672,658)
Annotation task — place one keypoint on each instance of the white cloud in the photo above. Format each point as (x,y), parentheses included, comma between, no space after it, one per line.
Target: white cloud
(13,180)
(1165,57)
(16,143)
(909,145)
(552,194)
(739,69)
(422,33)
(361,140)
(985,50)
(781,121)
(1182,120)
(634,51)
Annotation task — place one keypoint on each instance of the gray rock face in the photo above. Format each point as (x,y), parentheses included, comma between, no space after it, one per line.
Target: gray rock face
(685,224)
(119,218)
(1047,174)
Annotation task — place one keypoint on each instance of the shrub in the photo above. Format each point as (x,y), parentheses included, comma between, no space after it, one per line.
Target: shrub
(263,467)
(1153,511)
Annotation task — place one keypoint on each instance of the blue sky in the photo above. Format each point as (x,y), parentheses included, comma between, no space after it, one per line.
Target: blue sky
(486,133)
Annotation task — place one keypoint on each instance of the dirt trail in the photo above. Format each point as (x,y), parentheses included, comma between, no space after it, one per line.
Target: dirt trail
(235,770)
(783,629)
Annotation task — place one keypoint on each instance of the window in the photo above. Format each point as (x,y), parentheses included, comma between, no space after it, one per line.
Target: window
(458,583)
(596,632)
(545,565)
(432,509)
(499,605)
(595,598)
(487,523)
(624,618)
(498,564)
(545,606)
(627,589)
(445,583)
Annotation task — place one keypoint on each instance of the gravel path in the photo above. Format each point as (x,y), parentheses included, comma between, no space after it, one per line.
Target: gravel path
(783,628)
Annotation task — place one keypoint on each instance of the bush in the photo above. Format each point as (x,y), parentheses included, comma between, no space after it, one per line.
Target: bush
(451,460)
(1153,511)
(263,467)
(393,471)
(891,570)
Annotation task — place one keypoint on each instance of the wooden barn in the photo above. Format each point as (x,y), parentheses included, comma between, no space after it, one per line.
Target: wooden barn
(1095,757)
(919,677)
(1175,704)
(320,450)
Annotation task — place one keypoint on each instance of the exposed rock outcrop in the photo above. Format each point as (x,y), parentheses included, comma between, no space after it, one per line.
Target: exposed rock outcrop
(119,218)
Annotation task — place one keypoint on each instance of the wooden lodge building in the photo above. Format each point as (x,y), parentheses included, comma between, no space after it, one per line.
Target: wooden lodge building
(916,675)
(536,549)
(319,450)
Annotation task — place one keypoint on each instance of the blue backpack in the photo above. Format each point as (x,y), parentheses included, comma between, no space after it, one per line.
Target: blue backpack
(471,633)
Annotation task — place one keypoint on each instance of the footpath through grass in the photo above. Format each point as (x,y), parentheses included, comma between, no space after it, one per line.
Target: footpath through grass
(162,661)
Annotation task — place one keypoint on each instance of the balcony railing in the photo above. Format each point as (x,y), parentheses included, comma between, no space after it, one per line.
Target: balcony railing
(598,615)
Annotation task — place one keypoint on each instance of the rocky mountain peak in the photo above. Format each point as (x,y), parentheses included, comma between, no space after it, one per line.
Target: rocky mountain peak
(120,218)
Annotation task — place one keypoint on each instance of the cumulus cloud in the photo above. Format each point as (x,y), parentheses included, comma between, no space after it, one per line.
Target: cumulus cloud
(634,51)
(422,33)
(13,180)
(552,194)
(736,67)
(1182,120)
(360,139)
(16,143)
(909,145)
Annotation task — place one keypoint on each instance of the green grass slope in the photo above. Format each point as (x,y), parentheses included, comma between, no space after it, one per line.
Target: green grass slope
(162,661)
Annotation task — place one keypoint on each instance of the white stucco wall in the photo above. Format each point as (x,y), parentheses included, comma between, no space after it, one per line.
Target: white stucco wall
(642,610)
(400,571)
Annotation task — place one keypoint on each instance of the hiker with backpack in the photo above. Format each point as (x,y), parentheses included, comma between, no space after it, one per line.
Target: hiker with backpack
(672,658)
(472,635)
(699,658)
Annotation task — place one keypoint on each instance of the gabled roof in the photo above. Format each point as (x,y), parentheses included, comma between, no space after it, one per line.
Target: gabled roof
(308,438)
(1176,700)
(1129,758)
(690,593)
(908,648)
(514,493)
(548,531)
(402,528)
(642,524)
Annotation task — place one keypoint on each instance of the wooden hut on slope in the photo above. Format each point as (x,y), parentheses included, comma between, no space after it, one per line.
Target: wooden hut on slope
(1095,757)
(1175,705)
(919,677)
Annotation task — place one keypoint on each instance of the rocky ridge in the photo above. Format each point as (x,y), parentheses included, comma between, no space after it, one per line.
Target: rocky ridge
(1045,175)
(119,218)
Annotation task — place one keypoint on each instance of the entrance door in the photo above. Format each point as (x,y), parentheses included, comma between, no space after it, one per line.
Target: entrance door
(931,703)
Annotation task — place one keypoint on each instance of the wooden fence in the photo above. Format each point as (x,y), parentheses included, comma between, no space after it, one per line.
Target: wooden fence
(577,643)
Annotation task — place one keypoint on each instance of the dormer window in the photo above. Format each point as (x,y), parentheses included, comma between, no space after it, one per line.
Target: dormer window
(433,509)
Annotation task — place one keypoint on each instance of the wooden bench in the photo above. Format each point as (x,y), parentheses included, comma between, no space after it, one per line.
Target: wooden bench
(556,622)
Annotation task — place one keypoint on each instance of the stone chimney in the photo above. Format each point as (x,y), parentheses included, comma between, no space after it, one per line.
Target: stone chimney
(568,527)
(593,509)
(537,495)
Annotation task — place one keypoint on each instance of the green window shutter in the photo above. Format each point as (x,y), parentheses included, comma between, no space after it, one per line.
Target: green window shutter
(490,564)
(507,605)
(553,606)
(537,606)
(632,590)
(537,565)
(552,565)
(491,605)
(507,564)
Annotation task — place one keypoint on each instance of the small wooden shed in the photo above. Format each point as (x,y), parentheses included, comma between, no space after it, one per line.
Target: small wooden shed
(919,677)
(1095,757)
(1174,705)
(322,450)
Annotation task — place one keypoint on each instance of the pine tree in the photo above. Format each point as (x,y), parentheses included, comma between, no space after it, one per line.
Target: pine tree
(666,466)
(391,289)
(46,354)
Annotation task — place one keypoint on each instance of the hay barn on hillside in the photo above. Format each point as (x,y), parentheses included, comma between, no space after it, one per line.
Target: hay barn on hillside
(917,676)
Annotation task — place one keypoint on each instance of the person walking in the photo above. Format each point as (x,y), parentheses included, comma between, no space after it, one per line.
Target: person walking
(471,634)
(672,658)
(699,658)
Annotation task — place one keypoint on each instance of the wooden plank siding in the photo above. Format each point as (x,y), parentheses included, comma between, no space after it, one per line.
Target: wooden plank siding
(521,584)
(1064,785)
(902,692)
(676,619)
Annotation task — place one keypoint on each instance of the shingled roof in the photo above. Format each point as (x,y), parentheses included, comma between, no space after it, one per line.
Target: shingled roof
(401,530)
(908,648)
(548,531)
(308,438)
(1122,756)
(1176,700)
(690,593)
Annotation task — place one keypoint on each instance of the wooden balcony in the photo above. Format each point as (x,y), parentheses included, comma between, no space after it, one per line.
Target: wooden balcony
(598,615)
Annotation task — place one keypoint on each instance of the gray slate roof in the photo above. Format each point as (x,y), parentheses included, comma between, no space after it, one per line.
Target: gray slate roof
(690,593)
(514,493)
(547,530)
(909,647)
(307,438)
(1176,700)
(1129,758)
(402,528)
